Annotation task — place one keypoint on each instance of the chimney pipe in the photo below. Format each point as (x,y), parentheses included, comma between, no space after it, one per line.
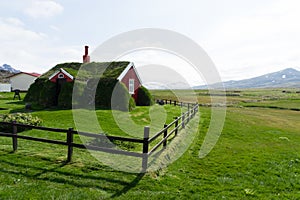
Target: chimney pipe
(86,52)
(86,57)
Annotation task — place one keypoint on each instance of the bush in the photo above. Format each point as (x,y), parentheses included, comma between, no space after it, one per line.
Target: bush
(131,104)
(144,97)
(21,118)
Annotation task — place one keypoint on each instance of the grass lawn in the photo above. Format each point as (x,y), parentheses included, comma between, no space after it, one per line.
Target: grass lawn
(256,157)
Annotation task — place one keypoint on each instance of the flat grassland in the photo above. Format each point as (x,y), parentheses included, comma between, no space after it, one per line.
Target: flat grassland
(256,157)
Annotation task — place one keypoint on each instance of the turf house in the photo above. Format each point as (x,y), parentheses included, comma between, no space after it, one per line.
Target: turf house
(55,87)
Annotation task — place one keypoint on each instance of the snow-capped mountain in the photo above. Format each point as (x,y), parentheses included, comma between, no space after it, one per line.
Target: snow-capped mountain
(282,79)
(9,68)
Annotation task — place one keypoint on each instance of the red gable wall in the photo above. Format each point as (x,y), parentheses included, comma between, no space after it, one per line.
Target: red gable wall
(132,75)
(68,79)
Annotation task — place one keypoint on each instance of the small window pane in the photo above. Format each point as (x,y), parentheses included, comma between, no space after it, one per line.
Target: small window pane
(131,86)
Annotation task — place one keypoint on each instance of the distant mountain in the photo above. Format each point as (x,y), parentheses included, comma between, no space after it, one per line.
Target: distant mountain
(3,76)
(9,68)
(6,71)
(167,86)
(286,78)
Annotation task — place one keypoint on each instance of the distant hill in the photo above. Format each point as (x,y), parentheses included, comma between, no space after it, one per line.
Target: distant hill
(5,71)
(287,78)
(3,76)
(6,67)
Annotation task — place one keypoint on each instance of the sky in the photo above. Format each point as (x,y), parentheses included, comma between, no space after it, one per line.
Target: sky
(243,38)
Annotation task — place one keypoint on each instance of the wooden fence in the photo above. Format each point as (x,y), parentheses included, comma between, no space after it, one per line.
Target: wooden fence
(168,130)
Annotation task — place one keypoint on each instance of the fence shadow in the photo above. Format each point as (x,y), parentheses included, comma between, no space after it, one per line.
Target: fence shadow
(167,132)
(16,102)
(104,179)
(107,179)
(129,186)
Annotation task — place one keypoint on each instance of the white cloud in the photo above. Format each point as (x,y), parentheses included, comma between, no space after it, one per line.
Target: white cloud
(13,21)
(18,44)
(265,40)
(12,28)
(243,42)
(162,67)
(32,51)
(43,8)
(55,28)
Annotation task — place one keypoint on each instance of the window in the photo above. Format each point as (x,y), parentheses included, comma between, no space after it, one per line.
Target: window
(61,76)
(131,86)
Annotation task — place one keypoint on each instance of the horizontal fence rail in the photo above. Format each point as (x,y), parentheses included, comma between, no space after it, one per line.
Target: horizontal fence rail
(177,124)
(185,117)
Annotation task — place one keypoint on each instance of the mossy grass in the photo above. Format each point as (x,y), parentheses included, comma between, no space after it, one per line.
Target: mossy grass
(256,157)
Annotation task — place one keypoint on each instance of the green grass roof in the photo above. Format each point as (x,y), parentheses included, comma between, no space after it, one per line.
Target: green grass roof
(90,70)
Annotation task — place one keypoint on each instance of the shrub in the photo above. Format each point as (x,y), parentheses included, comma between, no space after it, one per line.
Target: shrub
(21,118)
(131,104)
(144,97)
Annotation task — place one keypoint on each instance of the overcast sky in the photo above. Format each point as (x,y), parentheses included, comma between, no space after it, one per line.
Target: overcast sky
(243,38)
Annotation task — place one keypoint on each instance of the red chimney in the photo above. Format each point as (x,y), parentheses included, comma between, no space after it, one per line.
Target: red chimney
(86,57)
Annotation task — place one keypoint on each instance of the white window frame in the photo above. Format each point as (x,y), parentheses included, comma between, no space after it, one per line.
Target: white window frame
(131,86)
(61,75)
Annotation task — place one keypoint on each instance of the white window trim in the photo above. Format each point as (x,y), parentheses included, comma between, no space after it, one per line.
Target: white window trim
(131,86)
(61,75)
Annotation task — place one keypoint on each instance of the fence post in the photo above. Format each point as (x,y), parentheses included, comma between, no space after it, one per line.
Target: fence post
(170,101)
(15,136)
(145,148)
(176,126)
(174,103)
(192,111)
(195,109)
(70,144)
(182,120)
(165,135)
(166,101)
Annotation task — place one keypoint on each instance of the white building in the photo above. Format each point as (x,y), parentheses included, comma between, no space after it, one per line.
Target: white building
(5,87)
(22,81)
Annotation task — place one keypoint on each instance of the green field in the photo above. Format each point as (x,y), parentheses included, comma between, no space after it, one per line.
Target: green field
(256,157)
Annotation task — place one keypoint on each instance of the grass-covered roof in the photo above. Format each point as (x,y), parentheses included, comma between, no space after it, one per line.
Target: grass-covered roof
(90,70)
(43,92)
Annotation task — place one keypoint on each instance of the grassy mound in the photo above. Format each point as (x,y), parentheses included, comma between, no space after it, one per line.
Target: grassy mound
(43,92)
